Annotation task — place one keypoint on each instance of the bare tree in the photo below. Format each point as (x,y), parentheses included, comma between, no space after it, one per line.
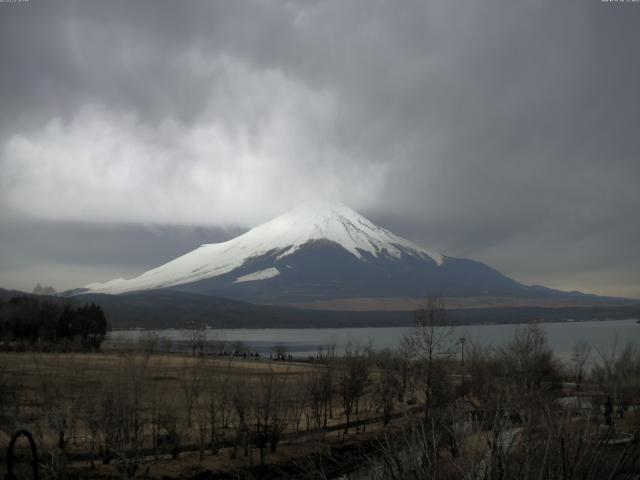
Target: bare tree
(192,385)
(11,393)
(430,343)
(196,336)
(386,385)
(403,357)
(218,343)
(580,358)
(167,344)
(44,290)
(352,381)
(315,394)
(118,414)
(618,373)
(55,405)
(328,383)
(150,342)
(528,359)
(216,405)
(269,411)
(298,399)
(279,352)
(241,399)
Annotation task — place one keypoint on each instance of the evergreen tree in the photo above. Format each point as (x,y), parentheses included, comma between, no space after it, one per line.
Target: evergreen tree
(33,320)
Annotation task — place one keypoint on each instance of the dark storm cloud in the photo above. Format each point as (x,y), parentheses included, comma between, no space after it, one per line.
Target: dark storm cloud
(504,131)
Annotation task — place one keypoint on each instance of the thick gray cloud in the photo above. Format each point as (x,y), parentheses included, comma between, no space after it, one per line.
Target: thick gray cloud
(503,131)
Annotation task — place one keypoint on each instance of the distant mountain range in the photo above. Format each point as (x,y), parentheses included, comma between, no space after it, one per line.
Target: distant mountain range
(158,309)
(319,253)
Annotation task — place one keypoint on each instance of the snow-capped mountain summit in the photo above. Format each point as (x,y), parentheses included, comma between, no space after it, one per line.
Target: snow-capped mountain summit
(332,222)
(280,237)
(316,251)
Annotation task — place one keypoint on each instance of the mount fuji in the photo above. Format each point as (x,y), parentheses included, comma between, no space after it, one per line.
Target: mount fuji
(321,252)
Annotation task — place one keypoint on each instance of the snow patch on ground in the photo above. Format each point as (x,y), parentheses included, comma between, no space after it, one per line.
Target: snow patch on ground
(259,275)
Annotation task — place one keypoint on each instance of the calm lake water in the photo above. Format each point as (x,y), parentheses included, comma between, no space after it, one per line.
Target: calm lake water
(305,342)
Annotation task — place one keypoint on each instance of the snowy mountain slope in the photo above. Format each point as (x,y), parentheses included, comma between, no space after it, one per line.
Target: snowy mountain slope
(317,252)
(281,237)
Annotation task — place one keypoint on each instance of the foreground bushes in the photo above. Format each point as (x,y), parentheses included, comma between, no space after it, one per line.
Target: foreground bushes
(424,411)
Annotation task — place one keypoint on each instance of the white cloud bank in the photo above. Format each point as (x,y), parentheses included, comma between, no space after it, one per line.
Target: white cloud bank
(239,162)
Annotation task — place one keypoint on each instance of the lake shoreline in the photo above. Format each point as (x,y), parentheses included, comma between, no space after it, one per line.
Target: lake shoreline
(308,342)
(391,325)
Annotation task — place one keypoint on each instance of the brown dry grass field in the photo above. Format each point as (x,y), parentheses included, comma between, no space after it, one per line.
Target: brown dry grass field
(51,392)
(129,414)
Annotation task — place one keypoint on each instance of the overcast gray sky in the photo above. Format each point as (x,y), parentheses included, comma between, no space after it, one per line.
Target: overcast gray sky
(508,132)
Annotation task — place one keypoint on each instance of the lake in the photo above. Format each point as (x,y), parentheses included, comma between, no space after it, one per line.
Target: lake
(305,342)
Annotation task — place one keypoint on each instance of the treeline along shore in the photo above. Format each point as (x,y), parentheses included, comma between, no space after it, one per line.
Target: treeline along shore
(164,309)
(50,323)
